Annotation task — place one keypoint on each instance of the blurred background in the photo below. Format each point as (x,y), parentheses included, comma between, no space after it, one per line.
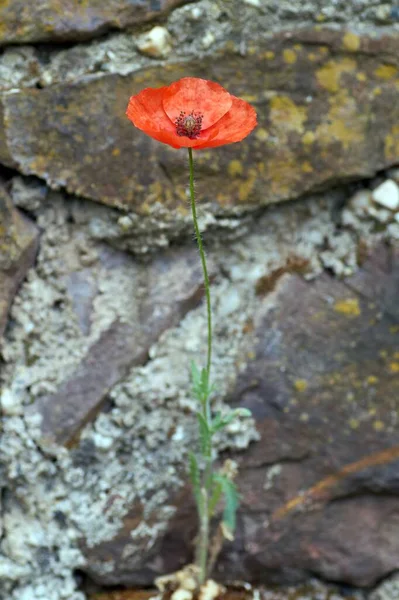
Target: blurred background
(101,297)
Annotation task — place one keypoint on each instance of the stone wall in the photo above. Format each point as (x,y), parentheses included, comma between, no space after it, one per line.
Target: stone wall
(101,297)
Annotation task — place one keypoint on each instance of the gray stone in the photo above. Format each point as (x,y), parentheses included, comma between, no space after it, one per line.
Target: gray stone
(18,246)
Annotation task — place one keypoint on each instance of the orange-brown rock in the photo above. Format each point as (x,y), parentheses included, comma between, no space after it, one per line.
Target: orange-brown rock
(18,246)
(62,20)
(328,108)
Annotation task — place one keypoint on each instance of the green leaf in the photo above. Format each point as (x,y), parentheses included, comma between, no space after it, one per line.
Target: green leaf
(220,422)
(231,502)
(205,434)
(196,381)
(195,476)
(215,496)
(200,382)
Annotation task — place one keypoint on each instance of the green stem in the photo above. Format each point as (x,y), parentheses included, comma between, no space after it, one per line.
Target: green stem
(203,538)
(203,260)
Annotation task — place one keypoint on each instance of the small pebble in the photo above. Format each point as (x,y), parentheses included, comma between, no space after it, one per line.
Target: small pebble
(393,230)
(10,404)
(387,195)
(156,43)
(360,202)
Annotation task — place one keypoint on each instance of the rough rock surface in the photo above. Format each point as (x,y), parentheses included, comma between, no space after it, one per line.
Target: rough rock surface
(165,291)
(311,591)
(95,357)
(328,112)
(18,246)
(320,489)
(55,20)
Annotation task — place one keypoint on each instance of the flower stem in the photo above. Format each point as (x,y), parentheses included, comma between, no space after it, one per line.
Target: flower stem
(206,479)
(203,260)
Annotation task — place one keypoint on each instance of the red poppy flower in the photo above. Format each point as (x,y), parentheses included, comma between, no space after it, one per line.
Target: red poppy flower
(192,113)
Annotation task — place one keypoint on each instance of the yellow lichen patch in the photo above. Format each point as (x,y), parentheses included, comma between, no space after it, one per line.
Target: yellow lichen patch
(396,355)
(300,385)
(298,47)
(235,168)
(342,122)
(246,187)
(394,329)
(312,56)
(269,55)
(329,76)
(351,41)
(372,379)
(377,91)
(394,367)
(308,138)
(283,174)
(378,425)
(249,97)
(354,423)
(392,144)
(289,56)
(261,134)
(386,72)
(306,167)
(286,115)
(349,307)
(116,152)
(361,77)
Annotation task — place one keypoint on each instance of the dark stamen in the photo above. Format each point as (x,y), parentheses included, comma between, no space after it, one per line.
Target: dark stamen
(190,125)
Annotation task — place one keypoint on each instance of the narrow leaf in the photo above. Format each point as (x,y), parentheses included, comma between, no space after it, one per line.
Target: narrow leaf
(231,502)
(196,381)
(195,476)
(205,434)
(220,422)
(215,496)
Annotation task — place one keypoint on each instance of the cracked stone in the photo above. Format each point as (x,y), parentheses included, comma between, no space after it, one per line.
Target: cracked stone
(171,286)
(66,20)
(333,118)
(320,489)
(18,246)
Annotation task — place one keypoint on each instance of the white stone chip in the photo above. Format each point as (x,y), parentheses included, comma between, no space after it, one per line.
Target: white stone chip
(156,43)
(181,594)
(387,195)
(210,590)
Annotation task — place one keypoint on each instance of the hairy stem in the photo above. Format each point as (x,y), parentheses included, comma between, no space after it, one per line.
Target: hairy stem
(206,479)
(203,261)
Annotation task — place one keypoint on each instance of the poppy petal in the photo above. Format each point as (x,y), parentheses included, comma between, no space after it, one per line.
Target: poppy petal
(172,139)
(146,111)
(234,126)
(192,94)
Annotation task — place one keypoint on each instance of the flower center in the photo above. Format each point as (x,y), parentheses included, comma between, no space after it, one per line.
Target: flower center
(189,125)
